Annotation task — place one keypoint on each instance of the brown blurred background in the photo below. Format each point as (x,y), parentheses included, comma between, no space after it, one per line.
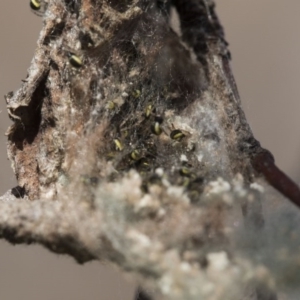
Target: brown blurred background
(265,46)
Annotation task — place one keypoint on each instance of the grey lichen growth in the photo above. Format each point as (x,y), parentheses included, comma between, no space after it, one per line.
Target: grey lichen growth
(134,140)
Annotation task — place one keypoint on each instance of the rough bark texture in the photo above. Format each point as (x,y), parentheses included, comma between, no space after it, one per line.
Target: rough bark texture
(130,145)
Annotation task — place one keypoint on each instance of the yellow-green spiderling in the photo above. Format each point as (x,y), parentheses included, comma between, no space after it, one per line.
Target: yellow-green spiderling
(194,195)
(143,165)
(75,61)
(156,128)
(93,181)
(177,135)
(154,179)
(110,155)
(135,155)
(118,145)
(184,171)
(110,105)
(148,111)
(136,93)
(125,133)
(186,182)
(35,5)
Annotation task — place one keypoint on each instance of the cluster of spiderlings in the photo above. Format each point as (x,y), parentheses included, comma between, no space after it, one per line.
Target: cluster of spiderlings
(195,188)
(39,7)
(137,148)
(127,152)
(192,182)
(142,154)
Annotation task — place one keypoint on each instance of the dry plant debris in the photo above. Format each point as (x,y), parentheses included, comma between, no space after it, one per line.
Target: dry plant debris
(130,145)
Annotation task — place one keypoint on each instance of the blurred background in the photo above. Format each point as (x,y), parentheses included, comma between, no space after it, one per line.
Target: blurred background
(265,46)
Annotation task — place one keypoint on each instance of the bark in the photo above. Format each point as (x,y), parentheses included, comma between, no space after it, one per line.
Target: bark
(130,145)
